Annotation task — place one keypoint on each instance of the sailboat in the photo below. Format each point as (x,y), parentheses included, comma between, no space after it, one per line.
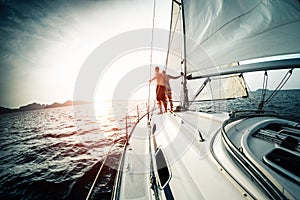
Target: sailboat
(247,154)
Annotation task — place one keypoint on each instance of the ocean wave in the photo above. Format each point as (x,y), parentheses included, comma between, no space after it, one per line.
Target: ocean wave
(60,135)
(51,154)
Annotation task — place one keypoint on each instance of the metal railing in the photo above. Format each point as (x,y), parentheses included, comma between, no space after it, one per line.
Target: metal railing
(128,134)
(119,175)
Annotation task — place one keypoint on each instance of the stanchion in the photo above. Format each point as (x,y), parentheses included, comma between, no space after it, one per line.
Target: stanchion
(126,124)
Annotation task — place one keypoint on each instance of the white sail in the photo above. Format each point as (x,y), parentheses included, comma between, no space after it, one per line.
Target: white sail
(221,32)
(225,87)
(175,56)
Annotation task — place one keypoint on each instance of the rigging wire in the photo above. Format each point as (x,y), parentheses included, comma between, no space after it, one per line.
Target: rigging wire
(108,153)
(211,92)
(101,167)
(151,54)
(275,92)
(98,173)
(279,86)
(252,100)
(263,92)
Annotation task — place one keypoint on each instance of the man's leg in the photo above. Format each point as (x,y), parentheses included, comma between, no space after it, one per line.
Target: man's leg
(159,105)
(170,101)
(165,105)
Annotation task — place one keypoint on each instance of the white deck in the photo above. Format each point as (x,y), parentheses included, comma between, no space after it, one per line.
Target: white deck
(255,149)
(195,172)
(135,182)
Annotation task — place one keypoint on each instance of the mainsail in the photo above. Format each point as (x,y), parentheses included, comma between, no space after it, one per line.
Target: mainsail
(223,32)
(219,35)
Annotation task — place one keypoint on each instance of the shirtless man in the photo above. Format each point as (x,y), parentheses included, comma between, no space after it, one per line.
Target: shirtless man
(160,89)
(168,90)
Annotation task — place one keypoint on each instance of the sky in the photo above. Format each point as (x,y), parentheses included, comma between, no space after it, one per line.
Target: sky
(45,44)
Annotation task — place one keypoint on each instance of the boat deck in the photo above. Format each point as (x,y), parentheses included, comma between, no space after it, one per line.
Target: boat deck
(199,166)
(135,182)
(260,137)
(196,174)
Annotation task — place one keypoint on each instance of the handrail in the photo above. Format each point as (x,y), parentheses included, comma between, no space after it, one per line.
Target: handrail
(249,113)
(224,167)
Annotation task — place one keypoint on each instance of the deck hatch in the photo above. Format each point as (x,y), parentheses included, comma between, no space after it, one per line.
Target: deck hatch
(286,163)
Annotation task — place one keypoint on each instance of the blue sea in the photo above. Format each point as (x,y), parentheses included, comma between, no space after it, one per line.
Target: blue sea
(286,104)
(56,153)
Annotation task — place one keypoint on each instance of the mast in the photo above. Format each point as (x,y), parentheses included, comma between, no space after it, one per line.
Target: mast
(185,102)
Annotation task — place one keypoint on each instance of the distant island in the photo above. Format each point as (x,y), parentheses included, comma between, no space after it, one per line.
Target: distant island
(37,106)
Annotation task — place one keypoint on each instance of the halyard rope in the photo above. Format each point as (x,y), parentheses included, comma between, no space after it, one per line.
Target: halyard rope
(151,52)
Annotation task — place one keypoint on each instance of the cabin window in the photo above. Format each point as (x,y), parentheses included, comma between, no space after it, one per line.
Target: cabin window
(163,171)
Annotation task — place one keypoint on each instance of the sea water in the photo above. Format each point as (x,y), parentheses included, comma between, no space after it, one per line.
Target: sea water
(56,153)
(285,103)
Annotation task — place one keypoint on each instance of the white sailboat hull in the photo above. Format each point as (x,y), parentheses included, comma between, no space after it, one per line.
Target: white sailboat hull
(198,169)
